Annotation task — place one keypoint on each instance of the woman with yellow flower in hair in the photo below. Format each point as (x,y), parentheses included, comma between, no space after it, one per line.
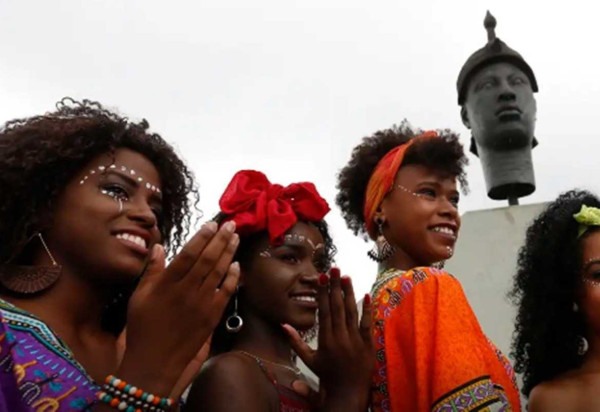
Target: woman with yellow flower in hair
(557,290)
(400,190)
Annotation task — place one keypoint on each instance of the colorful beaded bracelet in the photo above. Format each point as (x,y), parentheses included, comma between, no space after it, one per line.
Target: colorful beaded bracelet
(122,402)
(125,397)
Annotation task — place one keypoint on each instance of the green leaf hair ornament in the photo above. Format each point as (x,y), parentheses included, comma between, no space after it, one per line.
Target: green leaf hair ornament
(587,216)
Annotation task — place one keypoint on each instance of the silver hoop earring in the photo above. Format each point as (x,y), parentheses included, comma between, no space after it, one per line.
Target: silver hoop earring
(583,346)
(382,250)
(234,322)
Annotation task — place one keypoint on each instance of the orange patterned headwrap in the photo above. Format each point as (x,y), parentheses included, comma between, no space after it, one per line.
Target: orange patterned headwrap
(383,177)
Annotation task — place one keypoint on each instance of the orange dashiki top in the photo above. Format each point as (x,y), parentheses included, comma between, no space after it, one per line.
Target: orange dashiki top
(432,354)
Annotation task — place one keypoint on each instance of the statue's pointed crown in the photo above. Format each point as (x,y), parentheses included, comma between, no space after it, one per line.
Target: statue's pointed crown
(494,51)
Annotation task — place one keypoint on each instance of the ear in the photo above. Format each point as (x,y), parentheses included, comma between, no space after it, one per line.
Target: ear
(379,216)
(465,117)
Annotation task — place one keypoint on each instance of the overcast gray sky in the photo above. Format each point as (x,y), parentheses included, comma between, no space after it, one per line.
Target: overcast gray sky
(289,87)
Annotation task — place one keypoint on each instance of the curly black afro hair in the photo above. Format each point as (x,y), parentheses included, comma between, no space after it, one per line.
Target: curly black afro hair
(445,155)
(40,154)
(546,286)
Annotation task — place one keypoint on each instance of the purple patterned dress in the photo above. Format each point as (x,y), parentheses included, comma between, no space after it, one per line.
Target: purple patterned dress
(37,370)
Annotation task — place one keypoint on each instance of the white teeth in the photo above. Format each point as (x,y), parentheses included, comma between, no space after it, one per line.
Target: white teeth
(132,238)
(443,229)
(305,298)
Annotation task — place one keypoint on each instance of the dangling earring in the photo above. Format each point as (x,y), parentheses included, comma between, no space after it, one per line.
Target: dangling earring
(28,280)
(583,346)
(440,265)
(309,335)
(234,323)
(382,250)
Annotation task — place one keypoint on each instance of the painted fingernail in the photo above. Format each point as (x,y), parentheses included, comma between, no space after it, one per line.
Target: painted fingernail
(211,226)
(346,281)
(323,279)
(367,299)
(229,226)
(335,272)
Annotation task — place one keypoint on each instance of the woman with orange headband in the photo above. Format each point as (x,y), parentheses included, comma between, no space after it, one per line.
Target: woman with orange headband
(284,253)
(400,189)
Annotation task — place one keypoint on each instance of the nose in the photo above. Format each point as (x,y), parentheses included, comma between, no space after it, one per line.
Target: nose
(141,212)
(507,93)
(448,209)
(310,274)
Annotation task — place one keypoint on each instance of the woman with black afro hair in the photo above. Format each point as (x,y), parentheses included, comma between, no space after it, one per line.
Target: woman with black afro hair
(90,205)
(400,190)
(557,289)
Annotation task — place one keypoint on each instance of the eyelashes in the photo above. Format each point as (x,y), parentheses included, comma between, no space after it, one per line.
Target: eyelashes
(116,192)
(431,194)
(322,264)
(121,195)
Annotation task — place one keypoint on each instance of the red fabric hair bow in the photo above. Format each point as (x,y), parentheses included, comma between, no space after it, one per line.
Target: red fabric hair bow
(255,204)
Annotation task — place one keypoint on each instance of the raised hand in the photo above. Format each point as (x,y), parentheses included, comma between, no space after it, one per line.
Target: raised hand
(174,310)
(344,360)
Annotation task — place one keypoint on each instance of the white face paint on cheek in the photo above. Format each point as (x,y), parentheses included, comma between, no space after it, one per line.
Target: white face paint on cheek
(590,271)
(265,253)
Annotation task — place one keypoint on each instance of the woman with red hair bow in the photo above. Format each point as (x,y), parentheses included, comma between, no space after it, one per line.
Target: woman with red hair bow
(400,189)
(284,253)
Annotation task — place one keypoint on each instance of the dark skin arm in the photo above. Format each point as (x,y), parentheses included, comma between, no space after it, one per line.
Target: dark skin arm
(230,382)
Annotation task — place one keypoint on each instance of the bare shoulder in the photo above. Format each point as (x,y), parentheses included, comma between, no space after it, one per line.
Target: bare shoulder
(229,381)
(560,395)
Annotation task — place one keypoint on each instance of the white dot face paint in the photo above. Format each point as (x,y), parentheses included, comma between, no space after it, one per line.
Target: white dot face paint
(124,169)
(118,195)
(292,238)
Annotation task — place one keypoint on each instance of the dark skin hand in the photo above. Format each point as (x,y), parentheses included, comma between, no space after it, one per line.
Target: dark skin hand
(185,297)
(174,308)
(344,362)
(345,358)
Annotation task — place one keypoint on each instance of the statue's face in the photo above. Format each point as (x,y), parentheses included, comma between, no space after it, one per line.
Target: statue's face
(500,108)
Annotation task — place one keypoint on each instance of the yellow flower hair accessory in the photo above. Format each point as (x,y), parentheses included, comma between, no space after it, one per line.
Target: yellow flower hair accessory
(587,216)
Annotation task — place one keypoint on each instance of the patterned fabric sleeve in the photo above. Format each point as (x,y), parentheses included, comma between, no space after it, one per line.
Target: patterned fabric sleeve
(433,353)
(10,398)
(37,371)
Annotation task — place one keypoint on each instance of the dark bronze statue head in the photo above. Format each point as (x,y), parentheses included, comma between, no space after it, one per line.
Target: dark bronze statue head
(495,91)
